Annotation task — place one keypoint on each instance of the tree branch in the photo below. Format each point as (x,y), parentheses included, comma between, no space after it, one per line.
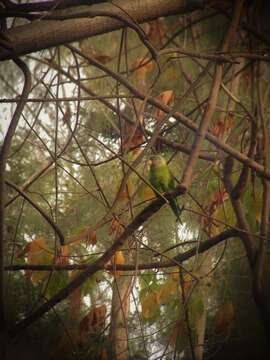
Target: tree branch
(201,248)
(43,34)
(184,120)
(140,219)
(3,160)
(202,130)
(41,211)
(239,212)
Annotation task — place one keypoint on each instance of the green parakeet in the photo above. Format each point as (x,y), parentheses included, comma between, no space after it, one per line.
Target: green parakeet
(161,179)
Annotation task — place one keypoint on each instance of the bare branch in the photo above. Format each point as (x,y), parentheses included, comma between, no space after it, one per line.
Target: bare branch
(41,211)
(3,160)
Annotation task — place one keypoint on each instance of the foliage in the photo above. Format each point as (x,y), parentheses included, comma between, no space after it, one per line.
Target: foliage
(84,145)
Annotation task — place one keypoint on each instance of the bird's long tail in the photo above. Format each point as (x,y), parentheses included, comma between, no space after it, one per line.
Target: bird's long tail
(176,209)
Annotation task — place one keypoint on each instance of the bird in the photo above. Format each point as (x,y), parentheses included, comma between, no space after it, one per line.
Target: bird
(162,180)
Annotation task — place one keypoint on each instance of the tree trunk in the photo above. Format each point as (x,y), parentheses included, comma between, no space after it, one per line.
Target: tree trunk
(119,315)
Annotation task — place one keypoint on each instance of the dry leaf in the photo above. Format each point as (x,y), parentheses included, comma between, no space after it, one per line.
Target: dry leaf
(146,193)
(67,116)
(63,345)
(223,127)
(166,290)
(143,67)
(101,57)
(88,235)
(132,137)
(175,275)
(155,32)
(115,227)
(37,253)
(224,318)
(177,331)
(92,323)
(75,304)
(166,97)
(104,354)
(62,255)
(188,283)
(150,304)
(128,191)
(117,259)
(218,130)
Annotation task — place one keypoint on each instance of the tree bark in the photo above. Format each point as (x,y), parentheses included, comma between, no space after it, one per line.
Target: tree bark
(44,34)
(119,314)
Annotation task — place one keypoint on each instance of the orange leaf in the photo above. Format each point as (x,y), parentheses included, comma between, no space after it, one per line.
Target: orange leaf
(117,259)
(128,190)
(143,67)
(115,227)
(155,32)
(75,303)
(175,275)
(218,130)
(88,235)
(228,122)
(222,127)
(132,136)
(37,253)
(166,97)
(103,58)
(62,255)
(92,323)
(67,116)
(104,354)
(177,332)
(224,318)
(187,283)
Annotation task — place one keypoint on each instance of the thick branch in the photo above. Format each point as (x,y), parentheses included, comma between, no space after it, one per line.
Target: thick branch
(203,246)
(184,120)
(239,213)
(213,98)
(3,159)
(140,219)
(47,5)
(43,34)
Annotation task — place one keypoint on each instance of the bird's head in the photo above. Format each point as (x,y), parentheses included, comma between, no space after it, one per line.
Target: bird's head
(157,161)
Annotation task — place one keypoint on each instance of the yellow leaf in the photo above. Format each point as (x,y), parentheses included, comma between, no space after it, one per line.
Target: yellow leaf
(150,304)
(146,193)
(166,290)
(37,253)
(187,283)
(175,274)
(118,259)
(128,191)
(224,318)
